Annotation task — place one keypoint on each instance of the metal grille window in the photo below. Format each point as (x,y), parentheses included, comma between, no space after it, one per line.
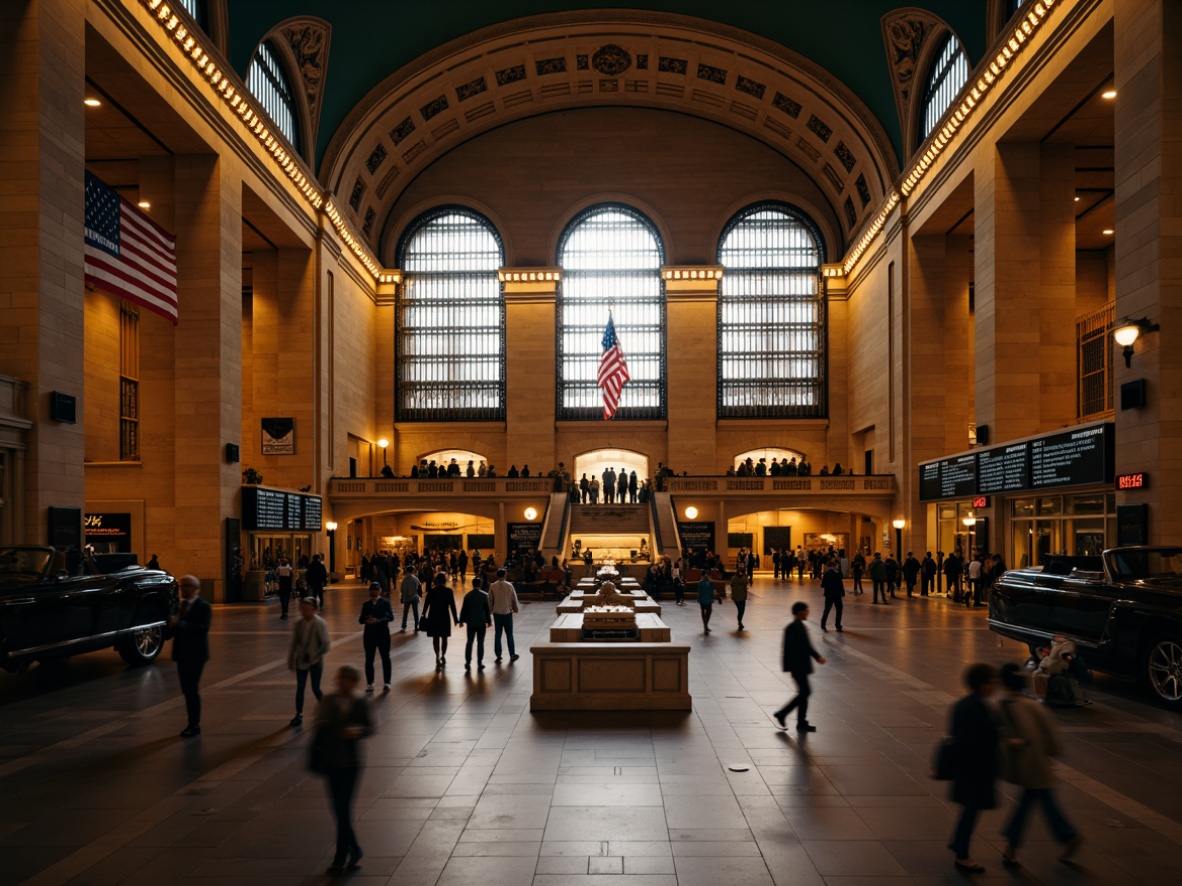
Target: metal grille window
(269,83)
(948,75)
(196,9)
(129,383)
(771,316)
(1093,337)
(450,342)
(611,259)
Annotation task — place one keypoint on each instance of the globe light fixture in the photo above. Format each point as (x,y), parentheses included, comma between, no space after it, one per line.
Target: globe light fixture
(691,512)
(1126,333)
(531,514)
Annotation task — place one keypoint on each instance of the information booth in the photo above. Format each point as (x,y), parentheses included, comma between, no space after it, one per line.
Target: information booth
(279,523)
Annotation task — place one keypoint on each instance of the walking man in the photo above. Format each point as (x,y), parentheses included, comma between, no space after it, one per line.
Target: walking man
(317,577)
(190,647)
(739,594)
(911,570)
(305,656)
(285,572)
(502,599)
(376,615)
(411,590)
(834,589)
(798,661)
(927,575)
(477,616)
(706,599)
(878,575)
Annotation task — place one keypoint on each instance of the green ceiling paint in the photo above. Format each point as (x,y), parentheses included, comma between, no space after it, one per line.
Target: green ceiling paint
(373,38)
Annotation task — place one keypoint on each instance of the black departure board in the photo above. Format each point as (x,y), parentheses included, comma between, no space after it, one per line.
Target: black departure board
(1079,457)
(264,509)
(958,476)
(1003,469)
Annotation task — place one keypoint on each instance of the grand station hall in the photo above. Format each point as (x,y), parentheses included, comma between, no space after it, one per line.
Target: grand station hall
(769,401)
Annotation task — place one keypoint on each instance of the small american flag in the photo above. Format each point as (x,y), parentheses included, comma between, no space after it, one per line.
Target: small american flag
(127,253)
(613,371)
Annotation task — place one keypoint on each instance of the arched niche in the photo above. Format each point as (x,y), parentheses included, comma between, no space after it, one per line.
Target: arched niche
(443,458)
(768,453)
(596,461)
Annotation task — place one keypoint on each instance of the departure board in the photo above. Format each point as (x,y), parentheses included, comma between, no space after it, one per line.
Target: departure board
(929,481)
(313,512)
(1003,469)
(1072,458)
(264,509)
(958,476)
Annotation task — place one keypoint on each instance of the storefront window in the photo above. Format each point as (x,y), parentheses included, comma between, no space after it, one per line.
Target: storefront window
(1079,525)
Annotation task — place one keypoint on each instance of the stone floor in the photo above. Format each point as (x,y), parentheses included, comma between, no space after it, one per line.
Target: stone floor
(465,786)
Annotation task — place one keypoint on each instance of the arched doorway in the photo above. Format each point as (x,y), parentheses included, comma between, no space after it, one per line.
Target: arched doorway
(767,454)
(594,463)
(444,457)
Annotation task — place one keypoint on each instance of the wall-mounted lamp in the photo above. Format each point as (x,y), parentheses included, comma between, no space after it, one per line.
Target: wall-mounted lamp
(531,514)
(691,513)
(1127,332)
(382,444)
(331,529)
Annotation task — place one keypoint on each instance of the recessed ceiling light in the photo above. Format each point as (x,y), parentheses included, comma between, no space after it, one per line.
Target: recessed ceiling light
(1108,93)
(1109,231)
(144,204)
(91,102)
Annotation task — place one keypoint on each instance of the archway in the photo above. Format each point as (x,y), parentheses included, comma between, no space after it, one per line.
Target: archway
(594,463)
(444,457)
(767,454)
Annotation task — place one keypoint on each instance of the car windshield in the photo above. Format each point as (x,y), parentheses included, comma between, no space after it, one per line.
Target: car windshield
(27,563)
(1149,563)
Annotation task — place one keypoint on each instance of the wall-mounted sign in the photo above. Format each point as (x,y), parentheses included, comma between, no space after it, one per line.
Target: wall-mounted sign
(264,508)
(981,502)
(1138,480)
(1081,456)
(1132,524)
(65,528)
(699,536)
(278,436)
(525,536)
(109,533)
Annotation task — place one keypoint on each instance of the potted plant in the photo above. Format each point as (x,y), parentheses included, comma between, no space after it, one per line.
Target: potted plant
(251,477)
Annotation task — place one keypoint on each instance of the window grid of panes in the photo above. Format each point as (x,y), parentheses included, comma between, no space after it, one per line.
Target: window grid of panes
(948,76)
(771,316)
(450,340)
(269,84)
(611,259)
(196,9)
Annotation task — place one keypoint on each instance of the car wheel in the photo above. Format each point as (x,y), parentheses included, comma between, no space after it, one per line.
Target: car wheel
(142,646)
(1163,668)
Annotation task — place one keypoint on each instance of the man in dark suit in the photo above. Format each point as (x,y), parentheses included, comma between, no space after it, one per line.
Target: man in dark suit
(834,589)
(798,656)
(190,647)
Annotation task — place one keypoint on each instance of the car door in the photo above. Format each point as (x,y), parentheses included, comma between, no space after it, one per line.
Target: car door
(1080,609)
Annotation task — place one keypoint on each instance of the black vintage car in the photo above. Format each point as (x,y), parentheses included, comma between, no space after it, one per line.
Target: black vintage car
(1123,610)
(57,603)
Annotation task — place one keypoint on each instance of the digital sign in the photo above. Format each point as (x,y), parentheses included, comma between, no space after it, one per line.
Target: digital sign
(1081,456)
(264,509)
(1139,480)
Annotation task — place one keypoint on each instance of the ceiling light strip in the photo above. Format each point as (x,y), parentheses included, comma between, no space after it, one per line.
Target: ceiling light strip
(235,96)
(955,117)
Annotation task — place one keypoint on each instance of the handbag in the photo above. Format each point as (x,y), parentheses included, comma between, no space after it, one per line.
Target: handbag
(319,748)
(944,760)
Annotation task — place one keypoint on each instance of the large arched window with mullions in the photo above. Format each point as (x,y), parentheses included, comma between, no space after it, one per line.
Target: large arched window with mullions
(946,77)
(771,315)
(450,326)
(611,257)
(268,81)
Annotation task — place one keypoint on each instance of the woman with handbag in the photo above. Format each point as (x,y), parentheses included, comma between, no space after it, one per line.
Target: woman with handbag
(1031,739)
(342,720)
(974,733)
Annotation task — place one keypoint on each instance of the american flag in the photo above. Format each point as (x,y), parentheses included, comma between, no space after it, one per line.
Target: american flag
(127,253)
(613,370)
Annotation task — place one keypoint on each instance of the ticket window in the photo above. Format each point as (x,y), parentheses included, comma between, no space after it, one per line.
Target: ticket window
(267,548)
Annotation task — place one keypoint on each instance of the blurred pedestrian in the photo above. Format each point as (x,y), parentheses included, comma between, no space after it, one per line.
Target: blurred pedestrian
(376,615)
(439,611)
(834,589)
(344,719)
(975,736)
(305,655)
(284,572)
(410,591)
(1031,740)
(798,657)
(706,600)
(739,594)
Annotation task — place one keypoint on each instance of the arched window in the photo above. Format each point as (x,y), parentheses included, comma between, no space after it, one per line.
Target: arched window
(771,316)
(611,259)
(948,74)
(450,326)
(268,82)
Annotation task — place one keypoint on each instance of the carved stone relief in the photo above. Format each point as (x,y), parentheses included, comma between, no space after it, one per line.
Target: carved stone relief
(309,40)
(905,32)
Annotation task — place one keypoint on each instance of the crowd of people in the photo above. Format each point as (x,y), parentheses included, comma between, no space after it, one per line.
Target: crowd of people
(785,467)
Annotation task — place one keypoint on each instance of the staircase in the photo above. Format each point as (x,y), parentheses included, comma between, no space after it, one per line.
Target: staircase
(665,539)
(553,527)
(609,520)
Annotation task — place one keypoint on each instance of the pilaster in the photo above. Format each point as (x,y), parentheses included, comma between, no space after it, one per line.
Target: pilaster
(691,347)
(530,366)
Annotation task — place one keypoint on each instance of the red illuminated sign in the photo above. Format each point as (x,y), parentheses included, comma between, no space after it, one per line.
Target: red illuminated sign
(981,501)
(1138,480)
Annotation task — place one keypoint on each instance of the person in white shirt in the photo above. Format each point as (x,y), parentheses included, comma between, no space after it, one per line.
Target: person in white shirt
(305,655)
(973,597)
(285,573)
(502,600)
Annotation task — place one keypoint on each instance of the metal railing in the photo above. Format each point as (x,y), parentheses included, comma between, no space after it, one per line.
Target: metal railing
(1093,339)
(497,486)
(843,483)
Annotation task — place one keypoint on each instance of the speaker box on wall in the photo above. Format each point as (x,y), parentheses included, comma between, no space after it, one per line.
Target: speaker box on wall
(63,407)
(231,453)
(982,435)
(1132,394)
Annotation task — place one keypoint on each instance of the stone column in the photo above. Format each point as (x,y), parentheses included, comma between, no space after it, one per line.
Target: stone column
(208,361)
(42,138)
(691,347)
(530,366)
(1148,80)
(1058,372)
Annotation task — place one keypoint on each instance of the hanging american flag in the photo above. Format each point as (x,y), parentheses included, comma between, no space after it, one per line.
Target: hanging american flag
(613,370)
(127,253)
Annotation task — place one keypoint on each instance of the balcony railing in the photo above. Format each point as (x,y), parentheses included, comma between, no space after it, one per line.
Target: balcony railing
(363,487)
(844,484)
